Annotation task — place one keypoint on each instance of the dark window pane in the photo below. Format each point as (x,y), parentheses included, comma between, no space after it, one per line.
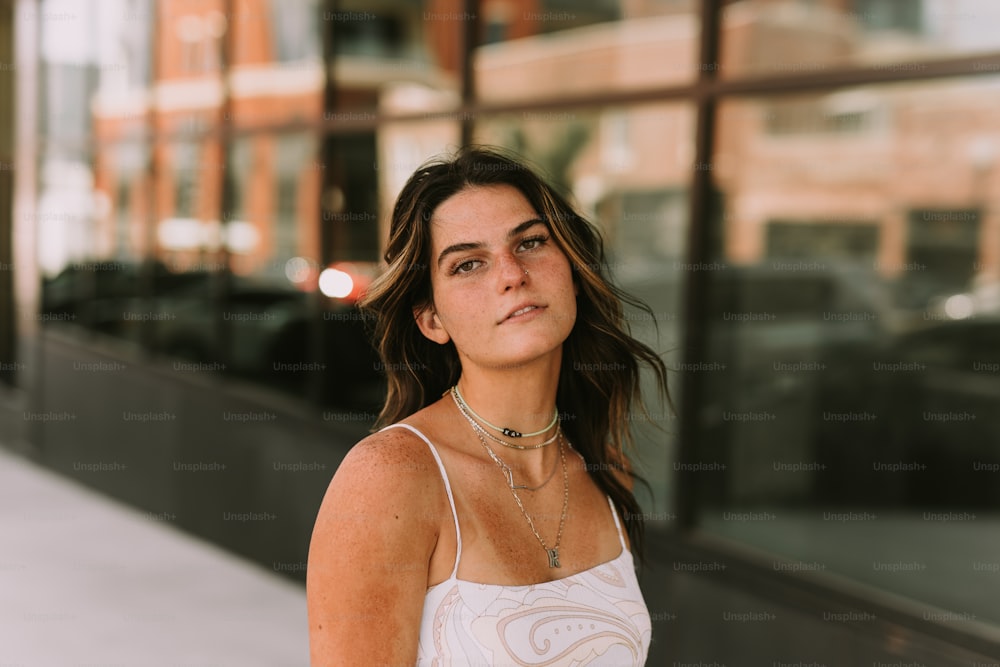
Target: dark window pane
(854,322)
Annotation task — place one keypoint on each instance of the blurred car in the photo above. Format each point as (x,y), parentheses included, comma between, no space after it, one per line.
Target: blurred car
(787,344)
(276,335)
(943,410)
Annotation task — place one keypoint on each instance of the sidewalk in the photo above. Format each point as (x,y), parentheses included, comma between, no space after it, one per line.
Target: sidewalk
(85,580)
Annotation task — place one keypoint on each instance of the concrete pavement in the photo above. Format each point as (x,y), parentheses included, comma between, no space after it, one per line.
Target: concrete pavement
(88,581)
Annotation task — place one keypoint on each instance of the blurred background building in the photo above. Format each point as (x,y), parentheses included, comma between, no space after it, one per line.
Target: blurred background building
(193,193)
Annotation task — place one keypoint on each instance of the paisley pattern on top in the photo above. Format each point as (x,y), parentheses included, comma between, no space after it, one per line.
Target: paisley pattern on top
(596,617)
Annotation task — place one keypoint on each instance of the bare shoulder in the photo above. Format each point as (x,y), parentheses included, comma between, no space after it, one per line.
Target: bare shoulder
(391,455)
(370,552)
(384,476)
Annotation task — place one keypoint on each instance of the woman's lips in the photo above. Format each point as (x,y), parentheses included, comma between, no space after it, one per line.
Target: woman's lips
(524,313)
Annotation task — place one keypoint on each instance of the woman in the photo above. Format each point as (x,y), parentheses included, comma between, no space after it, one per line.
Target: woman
(484,524)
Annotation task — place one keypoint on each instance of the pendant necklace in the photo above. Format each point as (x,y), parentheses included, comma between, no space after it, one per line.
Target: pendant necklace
(553,553)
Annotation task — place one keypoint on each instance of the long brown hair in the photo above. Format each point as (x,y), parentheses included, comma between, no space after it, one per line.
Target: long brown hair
(599,376)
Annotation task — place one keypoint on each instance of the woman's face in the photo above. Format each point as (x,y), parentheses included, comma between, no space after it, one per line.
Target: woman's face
(502,289)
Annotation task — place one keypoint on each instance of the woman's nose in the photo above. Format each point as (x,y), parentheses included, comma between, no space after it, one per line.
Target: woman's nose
(512,272)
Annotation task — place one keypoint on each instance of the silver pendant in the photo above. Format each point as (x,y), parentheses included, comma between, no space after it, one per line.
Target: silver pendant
(510,479)
(553,557)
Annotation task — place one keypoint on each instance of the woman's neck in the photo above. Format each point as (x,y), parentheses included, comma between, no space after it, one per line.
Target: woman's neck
(519,400)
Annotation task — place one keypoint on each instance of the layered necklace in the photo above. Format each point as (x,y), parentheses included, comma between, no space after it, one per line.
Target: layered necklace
(482,434)
(509,432)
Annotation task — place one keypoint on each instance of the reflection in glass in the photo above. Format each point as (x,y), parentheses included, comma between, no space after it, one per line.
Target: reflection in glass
(276,75)
(293,27)
(553,48)
(191,39)
(350,198)
(853,320)
(768,37)
(273,186)
(188,249)
(93,197)
(376,47)
(628,169)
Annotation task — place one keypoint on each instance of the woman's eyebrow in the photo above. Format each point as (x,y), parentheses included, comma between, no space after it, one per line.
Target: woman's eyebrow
(461,247)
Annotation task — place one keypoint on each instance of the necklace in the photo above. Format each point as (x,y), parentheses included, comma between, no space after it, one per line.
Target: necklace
(509,432)
(543,484)
(465,410)
(506,468)
(552,553)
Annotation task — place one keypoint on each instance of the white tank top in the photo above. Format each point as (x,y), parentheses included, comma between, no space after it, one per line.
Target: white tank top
(595,617)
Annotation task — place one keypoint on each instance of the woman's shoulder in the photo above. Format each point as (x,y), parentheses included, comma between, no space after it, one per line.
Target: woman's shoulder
(394,455)
(372,542)
(383,485)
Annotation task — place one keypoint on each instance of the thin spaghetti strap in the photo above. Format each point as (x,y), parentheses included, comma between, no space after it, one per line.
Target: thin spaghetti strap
(447,487)
(618,525)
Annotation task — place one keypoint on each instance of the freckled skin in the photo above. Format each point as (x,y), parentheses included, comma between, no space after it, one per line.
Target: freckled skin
(362,596)
(368,573)
(498,547)
(468,305)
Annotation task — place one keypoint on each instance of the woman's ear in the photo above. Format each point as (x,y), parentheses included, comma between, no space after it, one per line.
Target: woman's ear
(430,324)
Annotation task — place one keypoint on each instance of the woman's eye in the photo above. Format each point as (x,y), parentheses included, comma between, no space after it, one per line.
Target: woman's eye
(533,242)
(464,267)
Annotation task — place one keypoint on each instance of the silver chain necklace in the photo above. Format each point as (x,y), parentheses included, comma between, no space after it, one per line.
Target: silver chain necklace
(507,471)
(552,553)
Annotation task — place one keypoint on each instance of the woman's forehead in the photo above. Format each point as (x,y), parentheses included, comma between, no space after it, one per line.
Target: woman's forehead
(482,208)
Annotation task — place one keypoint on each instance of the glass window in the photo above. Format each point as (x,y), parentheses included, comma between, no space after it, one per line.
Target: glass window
(546,49)
(293,27)
(767,38)
(93,195)
(361,175)
(276,76)
(303,229)
(191,41)
(855,315)
(92,245)
(297,183)
(628,169)
(187,249)
(350,207)
(64,213)
(378,47)
(270,232)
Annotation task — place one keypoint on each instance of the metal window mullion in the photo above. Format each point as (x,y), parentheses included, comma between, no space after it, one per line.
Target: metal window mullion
(698,252)
(470,40)
(34,431)
(147,274)
(221,278)
(985,64)
(326,150)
